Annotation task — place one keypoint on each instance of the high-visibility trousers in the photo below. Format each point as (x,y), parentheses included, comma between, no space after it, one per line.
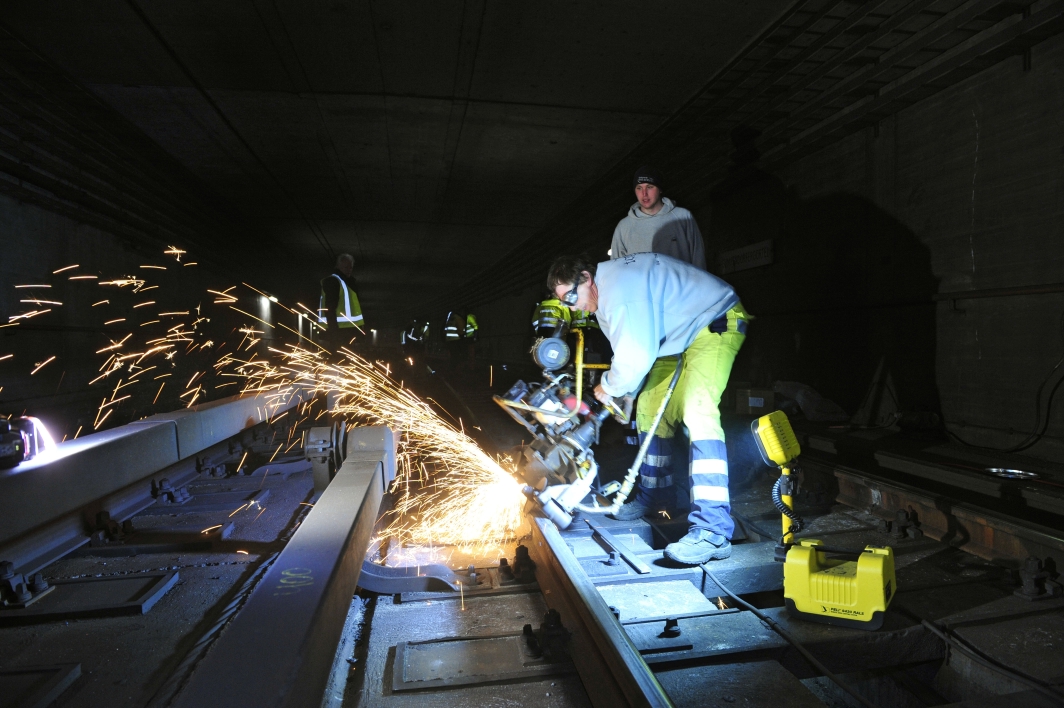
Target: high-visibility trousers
(695,403)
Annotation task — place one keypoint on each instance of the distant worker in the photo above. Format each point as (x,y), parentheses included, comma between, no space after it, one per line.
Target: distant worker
(453,327)
(454,335)
(551,312)
(414,337)
(655,224)
(338,308)
(472,334)
(653,308)
(551,318)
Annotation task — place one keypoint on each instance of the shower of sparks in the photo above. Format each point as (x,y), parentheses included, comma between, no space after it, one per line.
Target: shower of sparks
(450,492)
(720,603)
(452,496)
(69,267)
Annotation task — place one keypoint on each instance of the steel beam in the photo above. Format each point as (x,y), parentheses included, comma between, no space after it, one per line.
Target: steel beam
(966,526)
(282,644)
(42,500)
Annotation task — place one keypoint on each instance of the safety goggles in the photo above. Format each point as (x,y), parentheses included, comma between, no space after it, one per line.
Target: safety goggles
(571,297)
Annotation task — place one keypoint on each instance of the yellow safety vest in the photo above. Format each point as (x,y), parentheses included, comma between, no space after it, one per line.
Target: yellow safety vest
(548,314)
(452,328)
(348,311)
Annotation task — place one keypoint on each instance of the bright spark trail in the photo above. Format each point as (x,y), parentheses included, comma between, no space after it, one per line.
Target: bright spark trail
(450,493)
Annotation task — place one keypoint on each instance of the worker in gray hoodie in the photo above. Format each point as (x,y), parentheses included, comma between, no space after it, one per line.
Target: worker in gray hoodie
(655,224)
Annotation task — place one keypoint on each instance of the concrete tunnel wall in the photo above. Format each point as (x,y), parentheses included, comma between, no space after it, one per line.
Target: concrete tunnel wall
(962,191)
(865,232)
(36,242)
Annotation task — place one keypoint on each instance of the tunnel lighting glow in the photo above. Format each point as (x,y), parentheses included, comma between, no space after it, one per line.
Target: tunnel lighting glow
(41,441)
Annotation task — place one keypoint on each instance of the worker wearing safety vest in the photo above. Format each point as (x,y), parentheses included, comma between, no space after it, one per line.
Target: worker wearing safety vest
(551,313)
(338,308)
(453,327)
(413,337)
(472,331)
(553,319)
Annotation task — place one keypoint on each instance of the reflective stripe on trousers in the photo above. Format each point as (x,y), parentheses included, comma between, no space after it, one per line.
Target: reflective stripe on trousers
(655,478)
(707,366)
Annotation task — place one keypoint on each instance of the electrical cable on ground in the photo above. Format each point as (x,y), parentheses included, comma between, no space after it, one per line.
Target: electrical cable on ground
(957,644)
(786,635)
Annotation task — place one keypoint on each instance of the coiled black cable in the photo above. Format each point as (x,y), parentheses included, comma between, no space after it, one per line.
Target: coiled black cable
(777,501)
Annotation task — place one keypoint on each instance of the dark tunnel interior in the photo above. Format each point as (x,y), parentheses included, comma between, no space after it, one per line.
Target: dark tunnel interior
(881,182)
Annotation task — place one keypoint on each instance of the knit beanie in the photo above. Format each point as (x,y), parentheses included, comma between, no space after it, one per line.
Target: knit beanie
(648,175)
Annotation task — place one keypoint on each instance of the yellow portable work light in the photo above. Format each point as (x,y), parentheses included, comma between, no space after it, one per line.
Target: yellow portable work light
(779,447)
(853,590)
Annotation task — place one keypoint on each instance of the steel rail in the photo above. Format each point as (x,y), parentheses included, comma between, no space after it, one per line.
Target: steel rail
(612,669)
(111,471)
(280,649)
(985,533)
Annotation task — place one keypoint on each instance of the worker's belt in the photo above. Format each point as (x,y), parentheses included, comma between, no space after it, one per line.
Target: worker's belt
(734,320)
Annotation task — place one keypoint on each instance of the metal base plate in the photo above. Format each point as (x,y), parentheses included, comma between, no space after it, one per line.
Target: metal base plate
(95,597)
(461,661)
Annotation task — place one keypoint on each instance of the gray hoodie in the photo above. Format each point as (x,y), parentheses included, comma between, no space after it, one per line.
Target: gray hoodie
(672,231)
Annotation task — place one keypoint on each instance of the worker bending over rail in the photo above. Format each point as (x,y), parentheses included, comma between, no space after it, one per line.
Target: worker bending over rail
(653,308)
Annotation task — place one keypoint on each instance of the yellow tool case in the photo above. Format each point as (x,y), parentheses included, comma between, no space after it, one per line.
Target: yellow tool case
(851,593)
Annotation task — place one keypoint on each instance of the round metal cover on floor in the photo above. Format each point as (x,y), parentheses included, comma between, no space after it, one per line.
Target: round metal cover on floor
(1011,474)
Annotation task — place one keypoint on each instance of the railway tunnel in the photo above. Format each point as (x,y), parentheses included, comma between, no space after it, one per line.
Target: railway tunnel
(277,428)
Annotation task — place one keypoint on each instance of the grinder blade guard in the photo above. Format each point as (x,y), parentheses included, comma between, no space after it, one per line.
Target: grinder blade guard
(558,467)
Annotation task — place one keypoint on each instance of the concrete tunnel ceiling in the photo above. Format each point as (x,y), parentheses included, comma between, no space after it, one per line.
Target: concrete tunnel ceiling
(427,138)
